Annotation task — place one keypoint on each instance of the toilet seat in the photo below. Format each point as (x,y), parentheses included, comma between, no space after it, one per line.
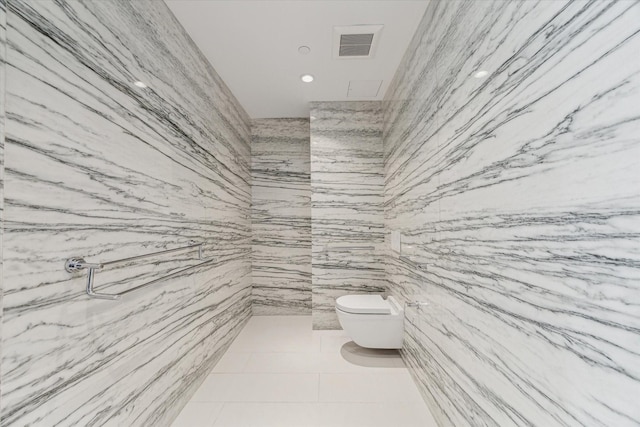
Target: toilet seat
(363,304)
(370,321)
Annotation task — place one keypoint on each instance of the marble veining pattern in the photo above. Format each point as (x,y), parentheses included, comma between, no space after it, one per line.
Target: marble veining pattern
(347,216)
(518,196)
(3,49)
(280,217)
(100,168)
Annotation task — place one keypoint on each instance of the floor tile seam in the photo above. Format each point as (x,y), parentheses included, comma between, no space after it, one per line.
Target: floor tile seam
(388,374)
(379,402)
(380,371)
(315,403)
(318,372)
(261,373)
(274,352)
(225,402)
(282,352)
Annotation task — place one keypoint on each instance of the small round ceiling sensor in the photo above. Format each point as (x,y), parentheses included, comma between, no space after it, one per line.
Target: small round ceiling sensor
(304,50)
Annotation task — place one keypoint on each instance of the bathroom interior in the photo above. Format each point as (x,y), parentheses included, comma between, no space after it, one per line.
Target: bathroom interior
(193,192)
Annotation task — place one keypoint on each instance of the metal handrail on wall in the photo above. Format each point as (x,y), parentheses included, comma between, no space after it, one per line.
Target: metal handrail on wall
(78,263)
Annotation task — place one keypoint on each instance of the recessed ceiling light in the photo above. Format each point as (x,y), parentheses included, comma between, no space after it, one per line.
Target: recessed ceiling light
(480,74)
(304,50)
(307,78)
(140,84)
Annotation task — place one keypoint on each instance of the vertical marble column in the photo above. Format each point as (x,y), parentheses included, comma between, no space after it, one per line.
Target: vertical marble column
(518,196)
(347,217)
(280,217)
(3,50)
(100,168)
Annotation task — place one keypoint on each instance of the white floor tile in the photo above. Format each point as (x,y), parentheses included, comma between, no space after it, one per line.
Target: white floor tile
(269,415)
(258,388)
(231,363)
(279,372)
(369,387)
(277,334)
(283,363)
(323,363)
(333,343)
(330,332)
(375,415)
(198,414)
(368,358)
(325,415)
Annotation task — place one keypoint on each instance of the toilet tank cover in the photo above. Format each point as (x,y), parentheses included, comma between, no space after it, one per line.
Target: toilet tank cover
(363,304)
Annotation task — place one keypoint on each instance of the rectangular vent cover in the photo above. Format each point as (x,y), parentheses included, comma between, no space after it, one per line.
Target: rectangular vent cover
(355,44)
(355,41)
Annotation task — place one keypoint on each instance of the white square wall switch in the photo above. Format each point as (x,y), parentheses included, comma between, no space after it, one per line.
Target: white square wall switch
(396,241)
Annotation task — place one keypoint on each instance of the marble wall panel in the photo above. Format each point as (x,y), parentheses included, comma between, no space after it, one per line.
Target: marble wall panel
(100,168)
(3,49)
(281,216)
(518,196)
(347,217)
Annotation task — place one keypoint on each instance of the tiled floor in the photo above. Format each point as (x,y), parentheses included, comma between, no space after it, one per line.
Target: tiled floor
(280,373)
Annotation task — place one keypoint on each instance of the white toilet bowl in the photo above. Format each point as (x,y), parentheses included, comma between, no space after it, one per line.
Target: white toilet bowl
(371,321)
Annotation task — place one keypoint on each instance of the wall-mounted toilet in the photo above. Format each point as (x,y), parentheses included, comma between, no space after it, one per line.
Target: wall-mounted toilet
(371,321)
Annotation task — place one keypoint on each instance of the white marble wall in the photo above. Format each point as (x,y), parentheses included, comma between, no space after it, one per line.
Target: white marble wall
(519,199)
(99,168)
(347,217)
(280,216)
(3,49)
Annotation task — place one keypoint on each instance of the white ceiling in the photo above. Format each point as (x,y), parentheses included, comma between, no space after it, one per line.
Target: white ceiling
(253,45)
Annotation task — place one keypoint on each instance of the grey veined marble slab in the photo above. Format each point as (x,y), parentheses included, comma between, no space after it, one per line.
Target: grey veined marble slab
(3,50)
(281,216)
(518,196)
(347,215)
(100,168)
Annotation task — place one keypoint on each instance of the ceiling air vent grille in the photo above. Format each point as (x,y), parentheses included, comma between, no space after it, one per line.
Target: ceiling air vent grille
(355,44)
(356,41)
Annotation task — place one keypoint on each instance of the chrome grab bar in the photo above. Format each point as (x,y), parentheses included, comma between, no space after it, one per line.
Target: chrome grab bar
(78,263)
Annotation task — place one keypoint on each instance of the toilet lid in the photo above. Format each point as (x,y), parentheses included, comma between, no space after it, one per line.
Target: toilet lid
(363,304)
